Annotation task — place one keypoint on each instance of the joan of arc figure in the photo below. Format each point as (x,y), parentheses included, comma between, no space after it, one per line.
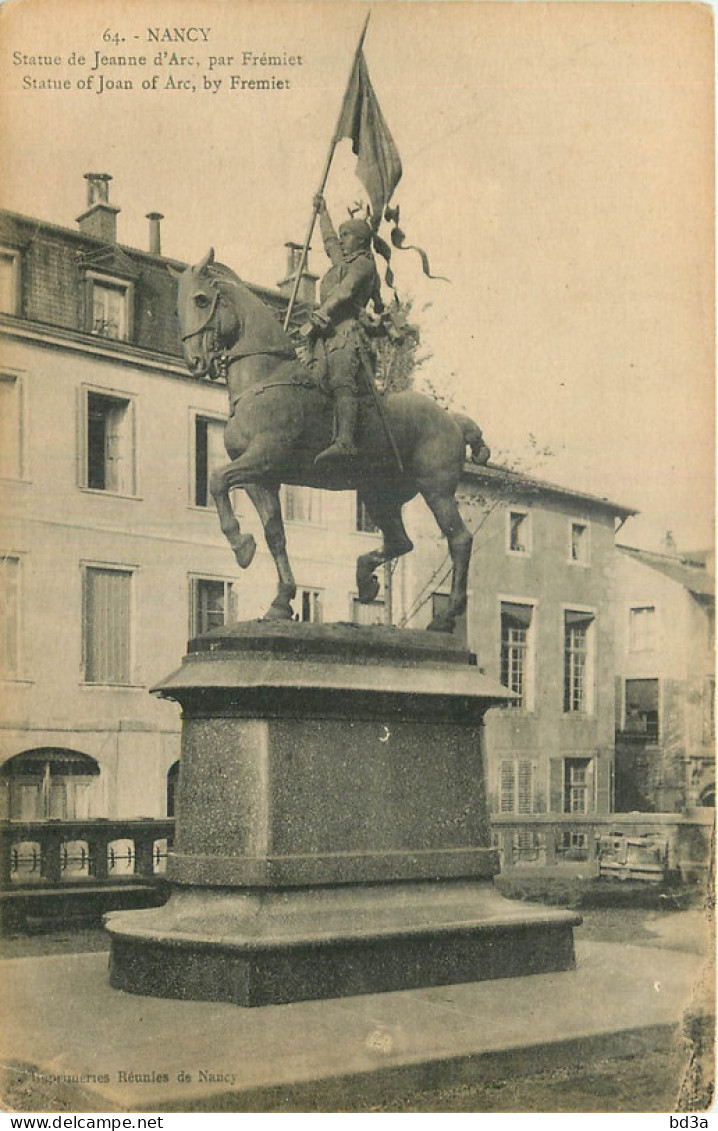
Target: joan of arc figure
(344,292)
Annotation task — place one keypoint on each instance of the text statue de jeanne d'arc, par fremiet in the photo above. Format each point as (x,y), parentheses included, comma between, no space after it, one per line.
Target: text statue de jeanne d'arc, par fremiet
(309,414)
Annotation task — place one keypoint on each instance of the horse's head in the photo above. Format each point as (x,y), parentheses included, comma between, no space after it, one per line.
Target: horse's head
(209,322)
(219,315)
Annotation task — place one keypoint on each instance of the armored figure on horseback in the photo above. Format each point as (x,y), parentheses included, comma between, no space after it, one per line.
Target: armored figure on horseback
(351,282)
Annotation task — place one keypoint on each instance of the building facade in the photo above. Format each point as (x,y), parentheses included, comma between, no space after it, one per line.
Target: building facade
(540,619)
(665,687)
(112,555)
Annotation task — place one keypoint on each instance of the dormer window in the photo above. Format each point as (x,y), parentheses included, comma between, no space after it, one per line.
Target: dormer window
(108,307)
(109,313)
(9,280)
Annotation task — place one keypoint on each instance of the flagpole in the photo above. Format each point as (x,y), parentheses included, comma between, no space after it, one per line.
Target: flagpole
(322,183)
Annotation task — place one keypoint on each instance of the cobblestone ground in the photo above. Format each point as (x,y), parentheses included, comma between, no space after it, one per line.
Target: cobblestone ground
(671,1074)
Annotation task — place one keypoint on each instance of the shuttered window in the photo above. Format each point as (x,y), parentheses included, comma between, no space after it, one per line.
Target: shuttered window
(516,652)
(10,426)
(9,262)
(209,453)
(107,625)
(577,671)
(302,504)
(516,786)
(211,604)
(109,444)
(9,617)
(310,606)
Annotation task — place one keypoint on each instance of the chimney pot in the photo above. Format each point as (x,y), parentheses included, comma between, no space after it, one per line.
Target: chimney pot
(155,237)
(100,217)
(98,187)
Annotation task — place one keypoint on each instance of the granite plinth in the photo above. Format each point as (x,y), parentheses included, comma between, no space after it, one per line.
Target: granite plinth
(332,829)
(267,949)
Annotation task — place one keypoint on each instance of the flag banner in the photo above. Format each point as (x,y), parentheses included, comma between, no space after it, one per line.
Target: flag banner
(379,165)
(361,119)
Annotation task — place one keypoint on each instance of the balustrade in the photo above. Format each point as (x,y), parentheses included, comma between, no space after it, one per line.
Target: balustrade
(69,853)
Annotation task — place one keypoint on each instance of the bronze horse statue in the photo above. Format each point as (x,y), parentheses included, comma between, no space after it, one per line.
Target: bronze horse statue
(280,419)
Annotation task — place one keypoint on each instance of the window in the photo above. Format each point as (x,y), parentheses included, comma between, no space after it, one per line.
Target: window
(516,787)
(302,504)
(578,662)
(642,717)
(9,281)
(373,613)
(10,651)
(10,426)
(519,532)
(49,784)
(109,443)
(575,845)
(642,628)
(107,625)
(517,653)
(209,453)
(364,522)
(579,544)
(577,785)
(211,604)
(309,602)
(109,308)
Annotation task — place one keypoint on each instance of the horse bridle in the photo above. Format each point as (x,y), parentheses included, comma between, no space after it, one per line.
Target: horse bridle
(208,319)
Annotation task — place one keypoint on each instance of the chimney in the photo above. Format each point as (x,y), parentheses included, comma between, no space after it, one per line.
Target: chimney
(155,241)
(307,293)
(100,217)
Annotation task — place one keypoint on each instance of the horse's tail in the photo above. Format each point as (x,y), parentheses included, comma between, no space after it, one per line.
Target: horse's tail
(473,436)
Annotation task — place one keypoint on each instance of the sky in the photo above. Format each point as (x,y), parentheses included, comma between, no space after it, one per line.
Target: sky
(558,169)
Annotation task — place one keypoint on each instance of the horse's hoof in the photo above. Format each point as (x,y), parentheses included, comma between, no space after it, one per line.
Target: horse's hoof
(368,589)
(482,456)
(442,624)
(279,612)
(244,552)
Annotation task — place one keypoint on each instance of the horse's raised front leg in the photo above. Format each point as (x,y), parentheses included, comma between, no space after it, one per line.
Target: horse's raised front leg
(243,545)
(386,514)
(445,509)
(265,497)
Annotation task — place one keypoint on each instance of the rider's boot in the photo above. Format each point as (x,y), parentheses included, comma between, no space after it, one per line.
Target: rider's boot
(344,447)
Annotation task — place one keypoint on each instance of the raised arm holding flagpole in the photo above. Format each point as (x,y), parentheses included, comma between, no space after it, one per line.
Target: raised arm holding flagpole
(378,167)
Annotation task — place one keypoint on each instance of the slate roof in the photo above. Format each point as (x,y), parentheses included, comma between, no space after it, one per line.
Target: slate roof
(496,476)
(694,577)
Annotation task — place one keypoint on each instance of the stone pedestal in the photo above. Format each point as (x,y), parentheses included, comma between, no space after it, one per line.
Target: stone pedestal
(332,832)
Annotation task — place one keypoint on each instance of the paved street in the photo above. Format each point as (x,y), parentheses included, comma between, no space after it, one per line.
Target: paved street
(609,1036)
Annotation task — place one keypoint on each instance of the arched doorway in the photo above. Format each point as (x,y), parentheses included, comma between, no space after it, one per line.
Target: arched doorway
(48,783)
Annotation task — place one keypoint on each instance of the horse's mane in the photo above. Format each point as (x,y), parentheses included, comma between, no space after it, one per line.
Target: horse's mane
(229,283)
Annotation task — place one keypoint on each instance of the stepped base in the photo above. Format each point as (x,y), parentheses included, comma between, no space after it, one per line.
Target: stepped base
(265,948)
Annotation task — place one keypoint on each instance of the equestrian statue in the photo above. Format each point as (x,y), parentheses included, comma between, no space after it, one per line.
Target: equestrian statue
(310,415)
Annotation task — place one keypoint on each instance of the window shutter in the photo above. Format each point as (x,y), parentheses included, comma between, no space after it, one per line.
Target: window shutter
(555,790)
(603,785)
(107,626)
(525,787)
(506,788)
